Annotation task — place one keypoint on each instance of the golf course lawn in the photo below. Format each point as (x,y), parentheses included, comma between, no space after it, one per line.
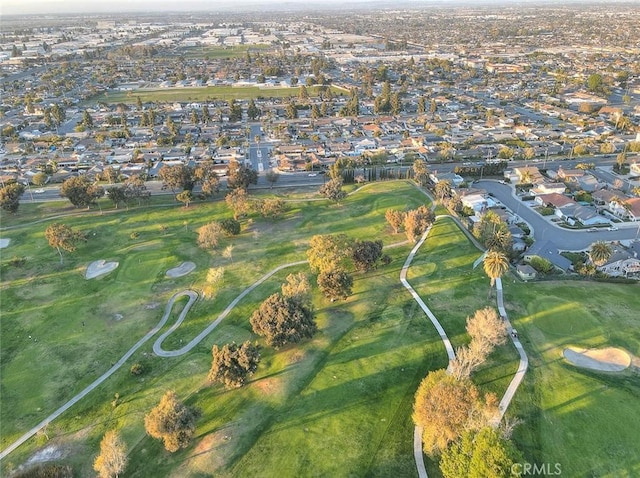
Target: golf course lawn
(338,404)
(587,421)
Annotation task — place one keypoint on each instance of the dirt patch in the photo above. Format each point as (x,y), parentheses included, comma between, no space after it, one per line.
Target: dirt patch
(609,359)
(99,268)
(4,243)
(182,270)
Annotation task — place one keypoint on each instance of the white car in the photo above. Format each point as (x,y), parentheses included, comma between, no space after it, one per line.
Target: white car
(39,191)
(312,174)
(612,228)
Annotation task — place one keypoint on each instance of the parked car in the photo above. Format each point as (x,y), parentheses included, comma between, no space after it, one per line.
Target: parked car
(39,191)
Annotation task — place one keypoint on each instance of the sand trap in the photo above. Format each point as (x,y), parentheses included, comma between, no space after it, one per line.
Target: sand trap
(609,359)
(182,270)
(4,243)
(99,268)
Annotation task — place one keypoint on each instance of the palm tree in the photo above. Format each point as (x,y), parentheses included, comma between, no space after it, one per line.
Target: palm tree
(495,265)
(600,253)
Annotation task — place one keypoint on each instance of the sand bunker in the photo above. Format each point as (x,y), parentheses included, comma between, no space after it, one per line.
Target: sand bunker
(182,270)
(99,268)
(4,243)
(609,359)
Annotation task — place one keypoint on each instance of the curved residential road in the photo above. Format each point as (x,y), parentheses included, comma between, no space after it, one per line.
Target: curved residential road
(193,296)
(524,360)
(542,229)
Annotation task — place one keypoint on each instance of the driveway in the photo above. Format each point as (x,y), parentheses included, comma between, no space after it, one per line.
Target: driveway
(565,239)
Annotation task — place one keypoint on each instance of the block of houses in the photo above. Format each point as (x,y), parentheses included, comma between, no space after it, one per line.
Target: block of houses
(585,215)
(554,200)
(535,177)
(548,250)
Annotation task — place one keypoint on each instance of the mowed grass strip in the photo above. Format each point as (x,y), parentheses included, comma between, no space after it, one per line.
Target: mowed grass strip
(588,422)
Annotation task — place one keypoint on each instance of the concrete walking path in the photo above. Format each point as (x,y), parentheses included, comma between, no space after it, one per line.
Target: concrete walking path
(524,361)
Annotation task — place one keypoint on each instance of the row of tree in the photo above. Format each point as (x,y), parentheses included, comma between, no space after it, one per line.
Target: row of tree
(414,222)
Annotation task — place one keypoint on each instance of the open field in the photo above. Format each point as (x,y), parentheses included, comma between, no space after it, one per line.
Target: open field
(336,405)
(204,93)
(221,51)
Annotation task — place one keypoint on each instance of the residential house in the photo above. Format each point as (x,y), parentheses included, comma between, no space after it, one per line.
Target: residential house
(526,272)
(477,202)
(622,263)
(628,209)
(548,188)
(455,179)
(548,250)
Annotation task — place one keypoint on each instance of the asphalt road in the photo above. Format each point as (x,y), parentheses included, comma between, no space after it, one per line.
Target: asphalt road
(543,229)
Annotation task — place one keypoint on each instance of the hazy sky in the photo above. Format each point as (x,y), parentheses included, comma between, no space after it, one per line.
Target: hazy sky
(10,7)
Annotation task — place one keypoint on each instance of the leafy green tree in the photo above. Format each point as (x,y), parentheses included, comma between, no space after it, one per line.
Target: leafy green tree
(252,110)
(282,320)
(232,364)
(177,178)
(235,111)
(238,202)
(135,190)
(480,454)
(420,172)
(446,408)
(185,197)
(335,284)
(39,179)
(117,195)
(272,177)
(172,422)
(112,459)
(78,190)
(332,190)
(329,251)
(298,289)
(62,237)
(395,219)
(209,235)
(366,254)
(206,175)
(230,226)
(417,221)
(443,189)
(10,197)
(272,207)
(240,176)
(87,120)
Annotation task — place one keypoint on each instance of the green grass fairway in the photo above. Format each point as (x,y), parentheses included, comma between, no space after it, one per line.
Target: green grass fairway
(587,421)
(205,93)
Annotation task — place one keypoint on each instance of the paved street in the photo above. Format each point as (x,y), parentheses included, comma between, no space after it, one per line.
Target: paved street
(542,229)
